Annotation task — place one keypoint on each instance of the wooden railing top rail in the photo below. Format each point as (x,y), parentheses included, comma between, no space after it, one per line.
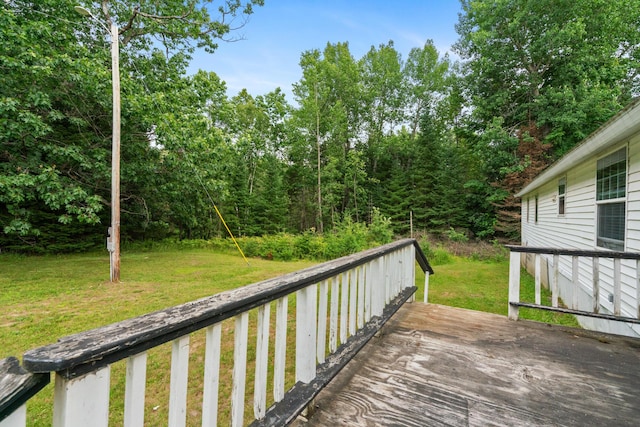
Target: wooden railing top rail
(573,252)
(17,385)
(87,351)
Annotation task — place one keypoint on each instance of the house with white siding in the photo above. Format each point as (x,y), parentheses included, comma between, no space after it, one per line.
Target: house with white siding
(590,200)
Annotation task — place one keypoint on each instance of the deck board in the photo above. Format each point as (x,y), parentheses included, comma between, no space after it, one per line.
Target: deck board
(433,365)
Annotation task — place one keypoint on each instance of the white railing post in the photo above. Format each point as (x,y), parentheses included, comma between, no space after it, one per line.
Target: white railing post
(426,287)
(211,376)
(333,315)
(407,270)
(321,341)
(179,381)
(135,390)
(306,333)
(538,262)
(617,285)
(575,279)
(554,282)
(344,307)
(368,289)
(388,267)
(361,287)
(18,418)
(596,283)
(396,275)
(514,284)
(262,362)
(82,401)
(280,357)
(377,283)
(353,282)
(239,369)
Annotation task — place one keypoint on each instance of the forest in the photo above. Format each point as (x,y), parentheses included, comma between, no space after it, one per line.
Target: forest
(445,143)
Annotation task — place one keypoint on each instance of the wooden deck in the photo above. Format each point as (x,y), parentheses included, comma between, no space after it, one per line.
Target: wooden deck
(433,365)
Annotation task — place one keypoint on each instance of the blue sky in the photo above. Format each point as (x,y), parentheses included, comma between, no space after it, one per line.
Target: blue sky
(277,34)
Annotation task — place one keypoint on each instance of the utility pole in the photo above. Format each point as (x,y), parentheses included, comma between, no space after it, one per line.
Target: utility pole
(115,158)
(113,241)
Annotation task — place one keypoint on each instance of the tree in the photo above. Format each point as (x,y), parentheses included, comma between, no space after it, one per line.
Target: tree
(51,167)
(548,71)
(55,109)
(535,62)
(257,197)
(383,94)
(426,81)
(329,95)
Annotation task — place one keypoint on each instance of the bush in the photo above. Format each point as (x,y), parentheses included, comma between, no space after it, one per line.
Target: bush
(379,231)
(456,236)
(347,237)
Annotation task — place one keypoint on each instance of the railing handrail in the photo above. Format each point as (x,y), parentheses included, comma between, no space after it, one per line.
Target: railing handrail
(17,385)
(573,252)
(86,351)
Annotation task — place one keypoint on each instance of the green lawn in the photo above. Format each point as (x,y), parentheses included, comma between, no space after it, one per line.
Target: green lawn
(46,297)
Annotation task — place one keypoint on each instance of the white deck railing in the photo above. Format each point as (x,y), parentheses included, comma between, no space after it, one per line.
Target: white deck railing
(339,306)
(592,288)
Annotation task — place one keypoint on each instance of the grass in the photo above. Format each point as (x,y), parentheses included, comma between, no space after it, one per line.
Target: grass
(46,297)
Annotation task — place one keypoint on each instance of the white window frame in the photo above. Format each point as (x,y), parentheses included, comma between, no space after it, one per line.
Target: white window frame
(611,197)
(562,196)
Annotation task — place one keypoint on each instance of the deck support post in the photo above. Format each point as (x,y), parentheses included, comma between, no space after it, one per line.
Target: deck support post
(514,284)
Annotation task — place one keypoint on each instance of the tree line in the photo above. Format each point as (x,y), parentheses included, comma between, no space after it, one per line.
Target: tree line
(444,142)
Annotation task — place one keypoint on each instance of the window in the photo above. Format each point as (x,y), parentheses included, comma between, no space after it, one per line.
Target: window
(535,218)
(611,187)
(562,189)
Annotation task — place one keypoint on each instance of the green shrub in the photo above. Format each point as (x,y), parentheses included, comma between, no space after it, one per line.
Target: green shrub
(310,245)
(346,237)
(456,236)
(379,231)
